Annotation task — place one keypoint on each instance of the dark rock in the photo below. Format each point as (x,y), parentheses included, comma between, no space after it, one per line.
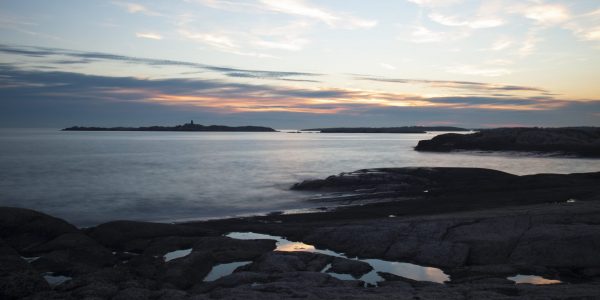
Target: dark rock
(17,278)
(133,294)
(572,245)
(116,234)
(23,228)
(284,262)
(582,141)
(224,249)
(189,270)
(355,268)
(71,253)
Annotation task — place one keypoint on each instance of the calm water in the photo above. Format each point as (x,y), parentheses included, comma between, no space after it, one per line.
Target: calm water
(92,177)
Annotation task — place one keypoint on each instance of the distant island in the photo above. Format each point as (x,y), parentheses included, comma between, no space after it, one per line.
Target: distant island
(403,129)
(185,127)
(576,141)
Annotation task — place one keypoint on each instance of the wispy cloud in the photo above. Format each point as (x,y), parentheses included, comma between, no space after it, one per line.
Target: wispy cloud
(299,8)
(464,85)
(135,8)
(149,35)
(478,71)
(476,23)
(41,52)
(221,96)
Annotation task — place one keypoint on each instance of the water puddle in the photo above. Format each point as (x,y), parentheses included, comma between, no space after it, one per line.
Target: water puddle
(177,254)
(30,259)
(532,279)
(54,280)
(406,270)
(221,270)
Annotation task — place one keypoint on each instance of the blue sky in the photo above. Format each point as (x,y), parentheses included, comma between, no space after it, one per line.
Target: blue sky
(295,63)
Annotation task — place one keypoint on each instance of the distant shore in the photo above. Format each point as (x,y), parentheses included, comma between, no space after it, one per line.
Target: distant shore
(482,228)
(185,127)
(570,141)
(402,129)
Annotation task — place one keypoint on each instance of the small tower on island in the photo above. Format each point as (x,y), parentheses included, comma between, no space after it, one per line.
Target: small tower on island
(192,122)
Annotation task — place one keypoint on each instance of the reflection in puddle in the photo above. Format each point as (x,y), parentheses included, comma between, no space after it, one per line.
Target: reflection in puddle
(54,280)
(177,254)
(532,279)
(406,270)
(221,270)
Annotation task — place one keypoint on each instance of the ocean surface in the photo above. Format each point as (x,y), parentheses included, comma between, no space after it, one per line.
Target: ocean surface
(92,177)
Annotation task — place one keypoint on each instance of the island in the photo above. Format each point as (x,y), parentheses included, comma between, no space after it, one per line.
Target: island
(403,129)
(413,233)
(185,127)
(573,141)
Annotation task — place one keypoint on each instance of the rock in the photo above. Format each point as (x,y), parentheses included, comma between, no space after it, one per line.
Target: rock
(23,228)
(133,294)
(71,253)
(284,262)
(225,250)
(355,268)
(116,234)
(559,245)
(581,141)
(189,270)
(17,278)
(429,252)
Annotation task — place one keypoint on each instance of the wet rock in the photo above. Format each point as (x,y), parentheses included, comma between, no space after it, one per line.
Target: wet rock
(133,294)
(348,266)
(233,280)
(284,262)
(163,245)
(23,228)
(430,252)
(559,245)
(17,278)
(116,234)
(224,249)
(186,271)
(356,240)
(98,290)
(71,253)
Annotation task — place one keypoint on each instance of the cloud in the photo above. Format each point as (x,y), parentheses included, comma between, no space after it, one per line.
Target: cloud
(478,71)
(476,23)
(56,97)
(387,66)
(91,57)
(501,44)
(421,34)
(135,8)
(464,85)
(149,35)
(298,8)
(435,3)
(545,14)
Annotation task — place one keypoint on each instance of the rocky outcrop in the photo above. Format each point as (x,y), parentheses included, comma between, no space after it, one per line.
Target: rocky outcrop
(579,141)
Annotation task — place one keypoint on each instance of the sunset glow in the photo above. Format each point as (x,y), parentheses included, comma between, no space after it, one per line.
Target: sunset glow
(453,62)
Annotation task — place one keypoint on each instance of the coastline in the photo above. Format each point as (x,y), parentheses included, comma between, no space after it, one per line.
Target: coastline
(479,245)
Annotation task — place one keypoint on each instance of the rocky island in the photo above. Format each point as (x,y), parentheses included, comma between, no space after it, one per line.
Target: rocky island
(403,129)
(465,234)
(575,141)
(185,127)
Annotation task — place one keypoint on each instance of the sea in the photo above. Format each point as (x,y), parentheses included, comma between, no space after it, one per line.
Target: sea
(88,178)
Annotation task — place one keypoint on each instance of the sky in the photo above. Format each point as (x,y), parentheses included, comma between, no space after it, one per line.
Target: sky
(300,63)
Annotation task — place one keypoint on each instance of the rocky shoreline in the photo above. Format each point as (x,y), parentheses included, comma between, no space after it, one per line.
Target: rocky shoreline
(569,141)
(480,227)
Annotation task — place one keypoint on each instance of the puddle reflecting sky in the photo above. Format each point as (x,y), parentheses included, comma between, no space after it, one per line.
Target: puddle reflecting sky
(407,270)
(532,279)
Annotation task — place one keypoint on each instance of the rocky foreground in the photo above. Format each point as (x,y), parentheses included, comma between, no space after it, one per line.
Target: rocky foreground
(573,141)
(479,226)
